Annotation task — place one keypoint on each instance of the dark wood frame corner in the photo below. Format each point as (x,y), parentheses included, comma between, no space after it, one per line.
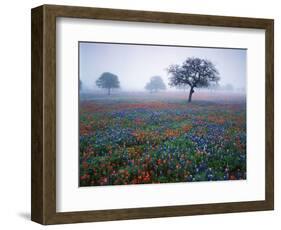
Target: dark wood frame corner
(43,188)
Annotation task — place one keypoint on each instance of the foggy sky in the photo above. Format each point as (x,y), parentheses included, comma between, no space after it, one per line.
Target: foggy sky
(135,64)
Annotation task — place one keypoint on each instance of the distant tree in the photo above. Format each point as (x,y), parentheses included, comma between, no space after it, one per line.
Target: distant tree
(228,87)
(214,87)
(156,83)
(241,89)
(108,81)
(80,85)
(194,72)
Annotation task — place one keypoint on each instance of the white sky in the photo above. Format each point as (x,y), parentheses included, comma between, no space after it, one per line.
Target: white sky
(135,64)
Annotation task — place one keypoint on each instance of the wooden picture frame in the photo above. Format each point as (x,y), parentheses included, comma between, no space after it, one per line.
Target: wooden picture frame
(43,189)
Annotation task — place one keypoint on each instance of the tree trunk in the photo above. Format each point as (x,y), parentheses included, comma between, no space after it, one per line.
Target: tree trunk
(108,91)
(190,94)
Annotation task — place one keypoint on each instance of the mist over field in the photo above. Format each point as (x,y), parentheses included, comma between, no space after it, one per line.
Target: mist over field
(136,64)
(227,97)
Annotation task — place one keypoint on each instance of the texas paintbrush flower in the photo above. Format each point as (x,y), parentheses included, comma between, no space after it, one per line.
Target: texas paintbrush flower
(129,142)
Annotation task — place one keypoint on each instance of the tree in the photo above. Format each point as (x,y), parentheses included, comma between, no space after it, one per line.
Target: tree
(156,83)
(214,87)
(80,85)
(194,72)
(108,81)
(228,87)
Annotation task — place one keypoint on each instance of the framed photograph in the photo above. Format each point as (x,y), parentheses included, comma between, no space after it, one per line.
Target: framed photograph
(140,114)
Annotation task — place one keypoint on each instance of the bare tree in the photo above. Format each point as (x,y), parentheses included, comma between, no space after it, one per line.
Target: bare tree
(194,72)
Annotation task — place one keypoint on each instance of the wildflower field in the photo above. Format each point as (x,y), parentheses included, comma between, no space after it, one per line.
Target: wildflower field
(133,140)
